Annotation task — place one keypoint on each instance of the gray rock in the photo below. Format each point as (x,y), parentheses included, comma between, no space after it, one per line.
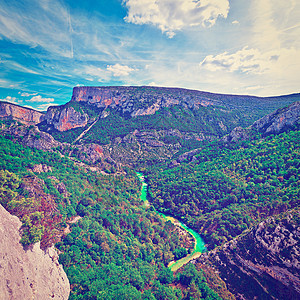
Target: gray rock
(28,274)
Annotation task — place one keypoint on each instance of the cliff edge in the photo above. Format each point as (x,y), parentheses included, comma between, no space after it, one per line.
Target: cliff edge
(262,263)
(22,114)
(28,274)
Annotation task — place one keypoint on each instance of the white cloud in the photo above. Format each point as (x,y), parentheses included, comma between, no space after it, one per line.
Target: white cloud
(173,15)
(41,107)
(39,98)
(24,94)
(119,70)
(44,107)
(13,100)
(245,60)
(46,26)
(275,24)
(95,72)
(235,22)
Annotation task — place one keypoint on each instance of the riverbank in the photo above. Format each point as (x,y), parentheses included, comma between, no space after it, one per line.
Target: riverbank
(199,243)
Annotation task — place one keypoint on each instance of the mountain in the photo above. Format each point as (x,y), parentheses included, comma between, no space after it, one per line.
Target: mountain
(147,124)
(263,262)
(276,122)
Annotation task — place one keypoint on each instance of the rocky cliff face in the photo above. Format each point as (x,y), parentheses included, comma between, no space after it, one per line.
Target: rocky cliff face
(24,115)
(28,274)
(274,123)
(30,137)
(65,118)
(279,120)
(89,103)
(264,263)
(139,101)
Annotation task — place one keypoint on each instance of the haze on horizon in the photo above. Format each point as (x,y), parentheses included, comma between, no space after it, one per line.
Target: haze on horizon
(234,47)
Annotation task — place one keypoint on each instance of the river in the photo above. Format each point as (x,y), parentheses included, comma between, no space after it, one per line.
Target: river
(199,243)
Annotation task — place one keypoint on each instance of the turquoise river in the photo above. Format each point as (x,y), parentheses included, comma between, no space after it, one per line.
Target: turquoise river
(199,243)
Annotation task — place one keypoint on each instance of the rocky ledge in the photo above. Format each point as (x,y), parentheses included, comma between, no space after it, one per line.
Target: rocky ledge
(31,273)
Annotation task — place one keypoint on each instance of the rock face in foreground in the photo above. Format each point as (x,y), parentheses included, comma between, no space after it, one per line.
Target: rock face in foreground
(28,274)
(264,263)
(22,114)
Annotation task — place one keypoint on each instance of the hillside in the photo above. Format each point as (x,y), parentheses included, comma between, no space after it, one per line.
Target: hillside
(98,222)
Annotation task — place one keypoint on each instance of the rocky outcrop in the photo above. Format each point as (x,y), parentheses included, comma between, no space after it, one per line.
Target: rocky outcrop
(22,114)
(263,263)
(274,123)
(65,118)
(139,101)
(31,137)
(41,168)
(237,134)
(280,120)
(28,274)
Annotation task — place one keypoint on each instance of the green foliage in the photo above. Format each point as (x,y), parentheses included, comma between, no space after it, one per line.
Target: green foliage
(118,250)
(229,188)
(180,252)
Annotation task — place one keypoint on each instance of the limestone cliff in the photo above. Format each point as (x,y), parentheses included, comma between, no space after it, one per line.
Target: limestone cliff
(263,263)
(28,274)
(65,118)
(22,114)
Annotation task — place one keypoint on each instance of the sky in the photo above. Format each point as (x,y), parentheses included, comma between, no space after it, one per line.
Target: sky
(47,47)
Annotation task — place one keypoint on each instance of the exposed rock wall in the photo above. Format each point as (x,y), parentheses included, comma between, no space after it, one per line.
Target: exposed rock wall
(65,118)
(274,123)
(31,137)
(264,263)
(28,274)
(22,114)
(150,99)
(279,120)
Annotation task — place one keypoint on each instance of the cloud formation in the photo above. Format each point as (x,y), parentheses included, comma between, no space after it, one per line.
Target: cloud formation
(44,107)
(39,98)
(119,70)
(24,94)
(13,100)
(173,15)
(245,60)
(45,21)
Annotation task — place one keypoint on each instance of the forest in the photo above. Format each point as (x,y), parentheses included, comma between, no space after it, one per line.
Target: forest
(117,249)
(228,188)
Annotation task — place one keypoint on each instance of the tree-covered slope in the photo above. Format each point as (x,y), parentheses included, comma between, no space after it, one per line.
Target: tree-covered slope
(262,263)
(114,248)
(227,188)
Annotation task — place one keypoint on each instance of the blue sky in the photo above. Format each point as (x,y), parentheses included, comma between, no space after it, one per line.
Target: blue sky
(239,47)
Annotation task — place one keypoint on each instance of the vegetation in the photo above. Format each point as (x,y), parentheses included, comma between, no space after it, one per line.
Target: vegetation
(117,250)
(114,247)
(228,188)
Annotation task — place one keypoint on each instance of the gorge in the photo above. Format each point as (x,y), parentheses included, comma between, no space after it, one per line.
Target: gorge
(226,166)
